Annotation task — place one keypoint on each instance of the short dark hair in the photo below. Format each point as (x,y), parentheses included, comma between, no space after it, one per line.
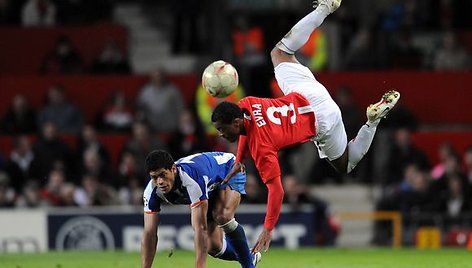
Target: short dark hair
(226,112)
(158,159)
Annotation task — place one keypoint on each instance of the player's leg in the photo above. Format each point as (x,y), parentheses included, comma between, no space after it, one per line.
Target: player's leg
(358,147)
(219,247)
(223,213)
(297,37)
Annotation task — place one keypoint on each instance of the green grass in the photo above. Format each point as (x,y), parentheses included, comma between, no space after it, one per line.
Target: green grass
(303,258)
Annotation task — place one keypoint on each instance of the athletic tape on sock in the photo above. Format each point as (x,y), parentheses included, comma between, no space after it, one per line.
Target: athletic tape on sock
(229,226)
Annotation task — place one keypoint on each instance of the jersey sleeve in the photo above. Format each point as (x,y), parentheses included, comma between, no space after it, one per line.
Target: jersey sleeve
(267,163)
(242,149)
(196,186)
(275,198)
(151,201)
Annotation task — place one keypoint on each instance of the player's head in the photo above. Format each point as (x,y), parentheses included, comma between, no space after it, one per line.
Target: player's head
(161,168)
(227,118)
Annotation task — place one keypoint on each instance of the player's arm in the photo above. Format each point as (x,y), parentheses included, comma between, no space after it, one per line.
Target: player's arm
(275,196)
(238,165)
(199,224)
(267,163)
(149,241)
(242,148)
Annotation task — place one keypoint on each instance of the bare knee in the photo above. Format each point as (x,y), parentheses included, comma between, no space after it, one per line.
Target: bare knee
(278,56)
(223,217)
(341,163)
(275,54)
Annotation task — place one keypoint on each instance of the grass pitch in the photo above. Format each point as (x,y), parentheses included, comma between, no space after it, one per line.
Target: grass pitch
(275,258)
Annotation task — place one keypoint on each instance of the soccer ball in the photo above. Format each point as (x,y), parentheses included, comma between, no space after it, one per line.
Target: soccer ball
(220,79)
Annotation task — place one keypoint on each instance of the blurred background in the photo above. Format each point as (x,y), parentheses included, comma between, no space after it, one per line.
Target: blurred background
(88,88)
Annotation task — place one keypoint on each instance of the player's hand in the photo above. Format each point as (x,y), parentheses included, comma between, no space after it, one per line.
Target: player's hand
(263,241)
(237,167)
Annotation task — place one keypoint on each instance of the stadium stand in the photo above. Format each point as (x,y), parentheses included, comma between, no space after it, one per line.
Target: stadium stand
(26,59)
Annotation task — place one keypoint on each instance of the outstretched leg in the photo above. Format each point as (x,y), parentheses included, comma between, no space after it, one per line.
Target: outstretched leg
(299,34)
(284,52)
(358,147)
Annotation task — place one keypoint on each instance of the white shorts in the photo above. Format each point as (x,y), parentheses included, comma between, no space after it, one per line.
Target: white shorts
(331,138)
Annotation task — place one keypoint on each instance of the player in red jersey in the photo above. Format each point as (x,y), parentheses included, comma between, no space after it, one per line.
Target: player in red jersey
(306,112)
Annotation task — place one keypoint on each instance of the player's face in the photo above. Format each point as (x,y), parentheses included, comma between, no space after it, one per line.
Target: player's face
(230,132)
(164,178)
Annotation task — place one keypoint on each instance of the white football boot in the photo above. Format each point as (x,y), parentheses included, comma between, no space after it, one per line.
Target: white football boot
(331,4)
(257,258)
(379,110)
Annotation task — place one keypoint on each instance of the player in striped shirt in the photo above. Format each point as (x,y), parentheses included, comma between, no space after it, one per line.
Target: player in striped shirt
(195,180)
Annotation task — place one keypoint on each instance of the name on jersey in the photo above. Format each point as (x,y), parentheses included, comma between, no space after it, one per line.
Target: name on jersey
(274,114)
(257,113)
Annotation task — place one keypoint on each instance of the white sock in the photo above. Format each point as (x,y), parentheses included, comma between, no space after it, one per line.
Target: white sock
(300,33)
(359,146)
(223,249)
(230,226)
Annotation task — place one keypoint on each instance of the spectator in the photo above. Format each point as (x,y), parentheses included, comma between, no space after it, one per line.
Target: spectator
(455,200)
(451,168)
(405,15)
(351,114)
(410,196)
(51,151)
(404,54)
(451,56)
(128,169)
(90,147)
(111,60)
(445,151)
(116,114)
(38,13)
(67,194)
(402,154)
(254,192)
(250,59)
(347,22)
(132,193)
(31,196)
(7,194)
(93,165)
(468,164)
(189,138)
(400,117)
(51,192)
(64,59)
(160,103)
(93,193)
(361,54)
(22,165)
(186,37)
(296,194)
(65,116)
(141,143)
(20,117)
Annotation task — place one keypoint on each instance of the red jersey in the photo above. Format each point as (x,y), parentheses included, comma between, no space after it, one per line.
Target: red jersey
(271,125)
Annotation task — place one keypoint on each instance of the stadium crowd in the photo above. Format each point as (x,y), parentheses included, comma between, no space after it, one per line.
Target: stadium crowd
(57,158)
